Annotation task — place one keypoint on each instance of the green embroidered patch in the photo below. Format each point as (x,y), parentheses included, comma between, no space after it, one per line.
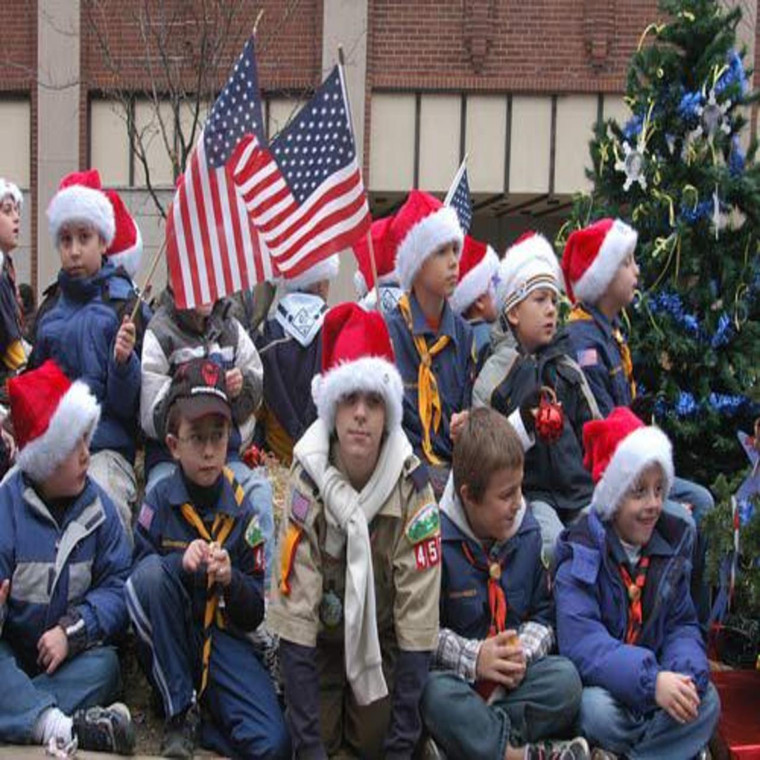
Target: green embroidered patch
(253,535)
(424,524)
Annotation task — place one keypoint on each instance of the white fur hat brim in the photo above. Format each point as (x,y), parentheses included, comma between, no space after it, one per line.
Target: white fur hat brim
(370,374)
(10,189)
(77,414)
(618,243)
(360,284)
(78,203)
(638,450)
(131,258)
(327,269)
(423,239)
(476,282)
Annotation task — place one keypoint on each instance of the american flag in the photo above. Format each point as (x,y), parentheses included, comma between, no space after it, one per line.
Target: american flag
(459,199)
(305,192)
(212,247)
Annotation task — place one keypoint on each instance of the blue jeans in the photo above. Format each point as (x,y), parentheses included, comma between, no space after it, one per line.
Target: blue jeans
(90,678)
(257,488)
(543,706)
(609,724)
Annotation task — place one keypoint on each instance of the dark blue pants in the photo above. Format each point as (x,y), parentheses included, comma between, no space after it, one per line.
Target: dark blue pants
(239,696)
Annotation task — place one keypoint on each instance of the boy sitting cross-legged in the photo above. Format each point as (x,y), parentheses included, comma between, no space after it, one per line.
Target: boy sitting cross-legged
(197,588)
(500,695)
(624,613)
(63,562)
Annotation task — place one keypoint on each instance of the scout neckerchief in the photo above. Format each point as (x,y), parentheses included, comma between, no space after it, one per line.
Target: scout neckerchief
(220,531)
(497,601)
(428,398)
(635,589)
(580,314)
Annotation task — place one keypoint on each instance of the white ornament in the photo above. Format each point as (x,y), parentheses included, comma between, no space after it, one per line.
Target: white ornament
(632,165)
(712,117)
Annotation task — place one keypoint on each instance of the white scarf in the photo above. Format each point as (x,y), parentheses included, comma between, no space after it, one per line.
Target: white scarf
(348,515)
(301,315)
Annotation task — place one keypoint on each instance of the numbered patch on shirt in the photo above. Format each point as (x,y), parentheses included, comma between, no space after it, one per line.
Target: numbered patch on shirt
(427,553)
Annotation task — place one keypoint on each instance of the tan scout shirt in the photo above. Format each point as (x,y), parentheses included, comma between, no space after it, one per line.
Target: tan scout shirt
(307,593)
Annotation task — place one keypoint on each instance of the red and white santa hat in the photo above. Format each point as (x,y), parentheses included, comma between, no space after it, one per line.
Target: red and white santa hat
(80,198)
(593,255)
(50,414)
(618,449)
(478,266)
(126,248)
(357,355)
(529,264)
(9,189)
(385,258)
(419,228)
(326,269)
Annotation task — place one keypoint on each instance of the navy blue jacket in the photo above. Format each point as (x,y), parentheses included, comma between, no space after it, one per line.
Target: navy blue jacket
(464,587)
(161,529)
(79,566)
(553,473)
(592,611)
(454,370)
(77,325)
(598,355)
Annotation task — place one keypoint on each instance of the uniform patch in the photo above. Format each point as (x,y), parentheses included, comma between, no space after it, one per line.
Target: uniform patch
(299,506)
(145,518)
(424,524)
(259,561)
(588,357)
(253,535)
(427,553)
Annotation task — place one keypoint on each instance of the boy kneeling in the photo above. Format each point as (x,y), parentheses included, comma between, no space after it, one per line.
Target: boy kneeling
(63,562)
(502,695)
(356,598)
(198,586)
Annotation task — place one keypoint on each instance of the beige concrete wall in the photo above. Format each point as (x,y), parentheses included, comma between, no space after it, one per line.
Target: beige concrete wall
(391,157)
(485,142)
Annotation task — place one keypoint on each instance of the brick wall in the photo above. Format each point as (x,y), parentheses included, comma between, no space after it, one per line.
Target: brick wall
(18,57)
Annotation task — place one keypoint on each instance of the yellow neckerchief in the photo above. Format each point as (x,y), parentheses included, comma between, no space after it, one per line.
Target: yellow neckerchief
(220,531)
(580,314)
(428,398)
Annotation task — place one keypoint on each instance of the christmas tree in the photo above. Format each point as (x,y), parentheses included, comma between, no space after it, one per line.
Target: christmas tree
(678,173)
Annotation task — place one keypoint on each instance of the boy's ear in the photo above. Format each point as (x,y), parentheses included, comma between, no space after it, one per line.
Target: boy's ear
(464,495)
(172,443)
(513,317)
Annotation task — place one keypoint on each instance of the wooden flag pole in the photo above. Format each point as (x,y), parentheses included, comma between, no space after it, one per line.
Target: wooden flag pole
(371,246)
(256,23)
(146,286)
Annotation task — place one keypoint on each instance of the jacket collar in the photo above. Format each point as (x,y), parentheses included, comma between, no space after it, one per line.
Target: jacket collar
(177,494)
(420,324)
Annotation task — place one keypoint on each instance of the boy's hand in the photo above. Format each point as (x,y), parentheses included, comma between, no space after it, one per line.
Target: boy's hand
(5,589)
(458,420)
(501,660)
(219,568)
(195,555)
(125,341)
(234,381)
(52,648)
(677,695)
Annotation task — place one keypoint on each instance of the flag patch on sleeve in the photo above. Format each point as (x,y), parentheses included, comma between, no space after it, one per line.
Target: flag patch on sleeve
(145,518)
(299,506)
(588,357)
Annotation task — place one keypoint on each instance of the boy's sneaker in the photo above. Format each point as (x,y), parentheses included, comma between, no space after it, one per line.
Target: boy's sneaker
(181,734)
(572,749)
(105,729)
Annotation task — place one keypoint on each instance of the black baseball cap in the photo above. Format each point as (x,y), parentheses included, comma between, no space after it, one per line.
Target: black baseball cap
(199,388)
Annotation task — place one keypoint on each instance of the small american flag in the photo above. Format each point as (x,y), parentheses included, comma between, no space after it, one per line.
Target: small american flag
(305,192)
(459,199)
(212,248)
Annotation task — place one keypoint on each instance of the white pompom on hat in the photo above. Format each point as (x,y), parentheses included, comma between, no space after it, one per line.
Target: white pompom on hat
(357,355)
(593,256)
(478,266)
(80,198)
(326,269)
(618,449)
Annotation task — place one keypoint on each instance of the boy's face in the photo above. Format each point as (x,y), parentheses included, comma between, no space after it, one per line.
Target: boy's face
(488,310)
(493,517)
(623,286)
(534,319)
(641,507)
(81,249)
(67,480)
(200,447)
(359,425)
(10,223)
(438,274)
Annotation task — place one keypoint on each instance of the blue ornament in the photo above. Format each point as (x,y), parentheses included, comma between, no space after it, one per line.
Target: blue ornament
(689,108)
(726,403)
(723,332)
(736,158)
(686,406)
(633,127)
(734,74)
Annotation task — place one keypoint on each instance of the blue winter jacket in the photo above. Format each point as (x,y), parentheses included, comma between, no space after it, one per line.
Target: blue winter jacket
(77,327)
(592,611)
(79,566)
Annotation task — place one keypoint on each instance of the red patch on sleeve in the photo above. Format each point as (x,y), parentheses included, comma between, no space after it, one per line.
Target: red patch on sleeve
(427,553)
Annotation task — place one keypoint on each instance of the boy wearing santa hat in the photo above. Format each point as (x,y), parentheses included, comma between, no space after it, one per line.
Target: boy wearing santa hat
(556,483)
(84,323)
(385,265)
(435,348)
(356,598)
(624,612)
(63,563)
(290,348)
